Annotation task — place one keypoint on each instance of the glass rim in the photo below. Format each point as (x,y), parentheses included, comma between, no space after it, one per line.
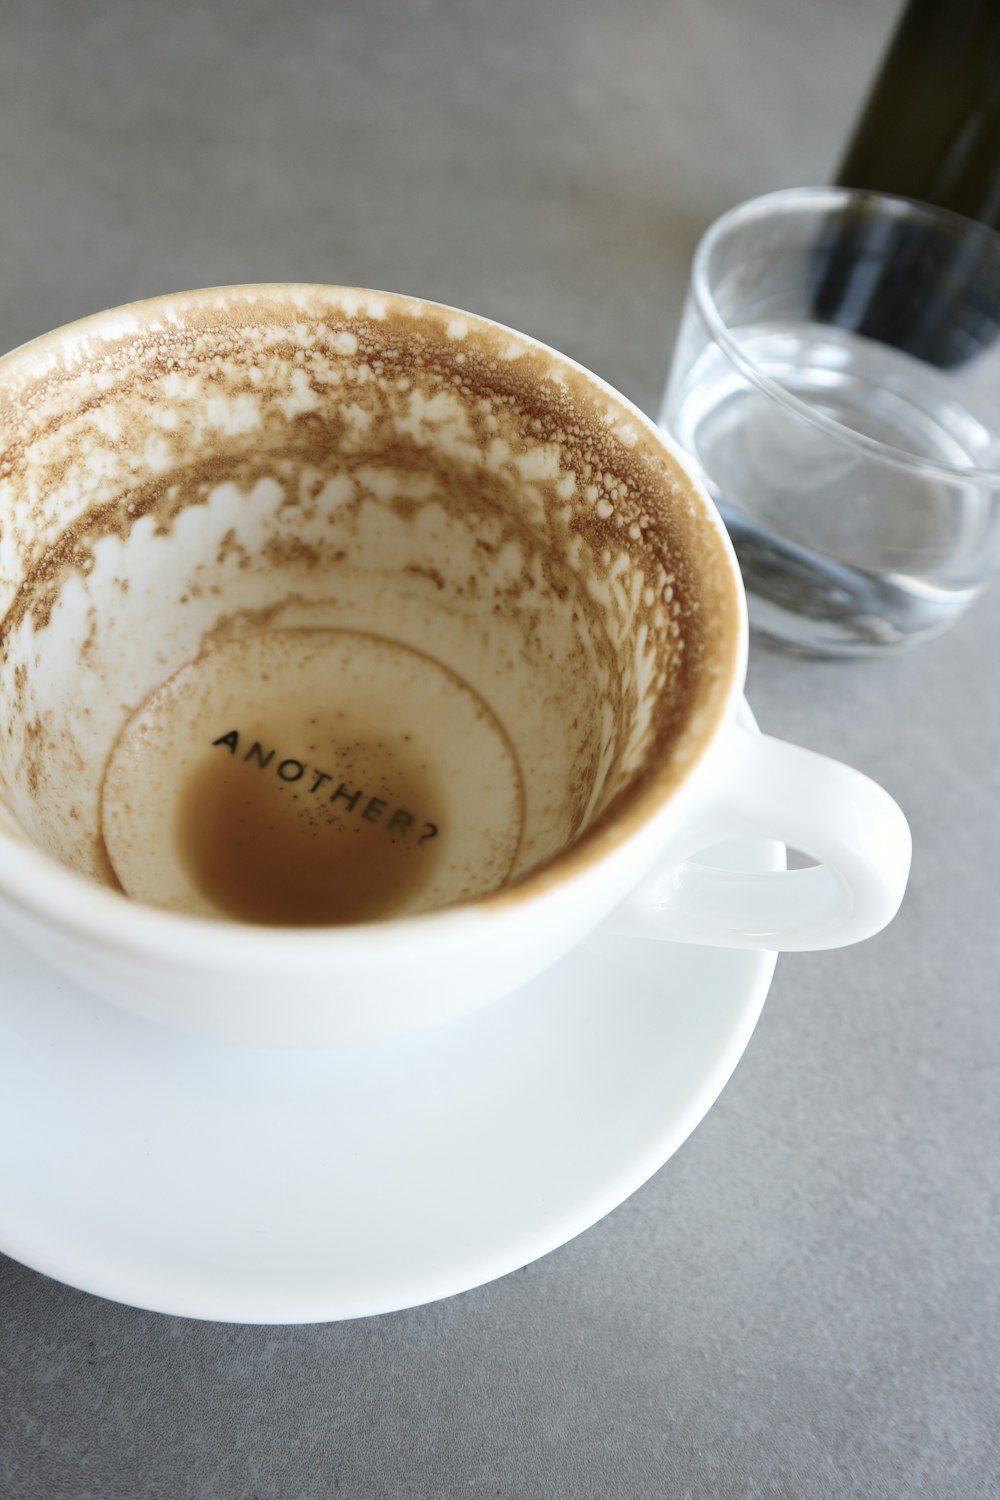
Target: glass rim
(786,201)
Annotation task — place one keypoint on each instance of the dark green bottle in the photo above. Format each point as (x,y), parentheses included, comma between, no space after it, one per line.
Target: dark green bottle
(931,127)
(930,130)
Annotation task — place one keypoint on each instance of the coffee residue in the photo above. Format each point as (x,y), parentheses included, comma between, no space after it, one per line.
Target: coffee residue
(278,841)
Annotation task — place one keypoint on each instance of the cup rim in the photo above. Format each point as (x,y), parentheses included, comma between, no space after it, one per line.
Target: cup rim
(784,203)
(36,884)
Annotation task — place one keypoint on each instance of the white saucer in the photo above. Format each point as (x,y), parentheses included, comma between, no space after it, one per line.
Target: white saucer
(231,1183)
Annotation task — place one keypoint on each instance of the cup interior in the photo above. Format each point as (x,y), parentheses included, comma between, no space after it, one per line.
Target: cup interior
(321,606)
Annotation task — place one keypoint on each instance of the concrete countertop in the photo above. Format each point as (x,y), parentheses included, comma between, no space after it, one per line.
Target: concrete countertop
(804,1301)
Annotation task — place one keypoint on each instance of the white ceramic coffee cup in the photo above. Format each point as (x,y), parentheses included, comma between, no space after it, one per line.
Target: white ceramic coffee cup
(262,497)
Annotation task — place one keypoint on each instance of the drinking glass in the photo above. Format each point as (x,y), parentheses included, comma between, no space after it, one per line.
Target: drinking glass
(836,382)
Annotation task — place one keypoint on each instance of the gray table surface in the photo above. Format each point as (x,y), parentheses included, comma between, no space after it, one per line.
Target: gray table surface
(804,1301)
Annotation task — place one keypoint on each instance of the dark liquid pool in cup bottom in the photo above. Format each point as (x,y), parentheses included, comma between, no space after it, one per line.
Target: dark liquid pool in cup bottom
(304,849)
(311,777)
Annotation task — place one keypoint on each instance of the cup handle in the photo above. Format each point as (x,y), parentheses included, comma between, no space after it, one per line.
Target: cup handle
(838,816)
